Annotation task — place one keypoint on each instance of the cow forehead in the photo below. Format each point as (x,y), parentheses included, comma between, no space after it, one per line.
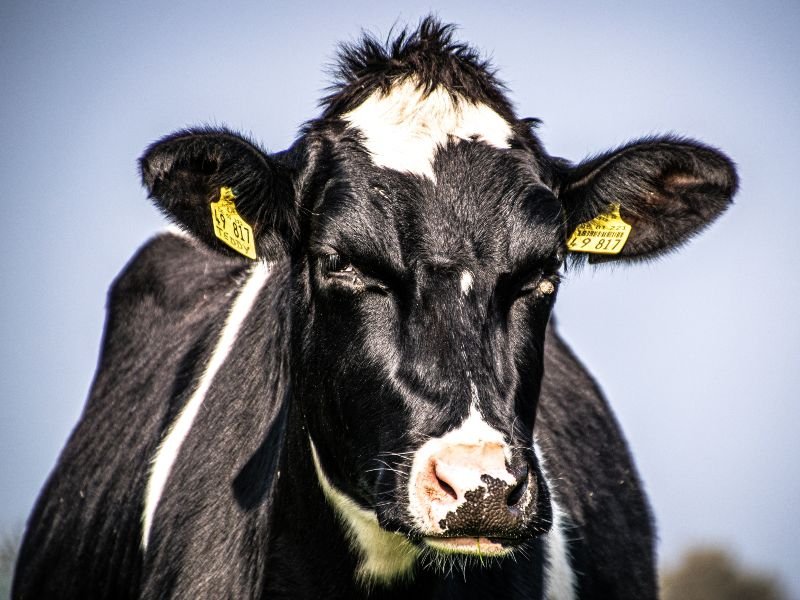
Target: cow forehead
(484,209)
(403,127)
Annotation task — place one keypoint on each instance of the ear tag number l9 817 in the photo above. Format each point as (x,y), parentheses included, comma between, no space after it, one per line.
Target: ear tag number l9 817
(229,227)
(605,234)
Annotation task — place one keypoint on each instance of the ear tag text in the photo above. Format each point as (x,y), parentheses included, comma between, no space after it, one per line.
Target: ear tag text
(229,227)
(605,234)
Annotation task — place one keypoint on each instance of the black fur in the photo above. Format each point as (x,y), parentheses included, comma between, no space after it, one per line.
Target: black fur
(668,189)
(428,54)
(363,341)
(186,169)
(156,341)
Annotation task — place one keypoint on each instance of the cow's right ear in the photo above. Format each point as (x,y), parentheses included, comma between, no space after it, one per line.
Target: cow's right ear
(186,171)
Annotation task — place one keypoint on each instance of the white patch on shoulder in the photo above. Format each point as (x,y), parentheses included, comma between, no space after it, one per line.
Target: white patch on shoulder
(170,446)
(466,282)
(404,128)
(384,556)
(559,578)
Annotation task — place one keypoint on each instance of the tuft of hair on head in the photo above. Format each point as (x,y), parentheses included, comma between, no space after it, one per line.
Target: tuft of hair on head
(428,54)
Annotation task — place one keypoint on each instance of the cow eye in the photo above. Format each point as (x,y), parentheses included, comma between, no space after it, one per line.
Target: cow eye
(540,285)
(336,263)
(366,276)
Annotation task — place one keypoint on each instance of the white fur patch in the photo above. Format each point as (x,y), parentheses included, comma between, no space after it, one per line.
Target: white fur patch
(466,282)
(474,431)
(177,230)
(170,446)
(404,128)
(546,287)
(384,556)
(559,578)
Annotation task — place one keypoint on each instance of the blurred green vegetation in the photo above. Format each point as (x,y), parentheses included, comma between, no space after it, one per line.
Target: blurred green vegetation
(711,573)
(9,545)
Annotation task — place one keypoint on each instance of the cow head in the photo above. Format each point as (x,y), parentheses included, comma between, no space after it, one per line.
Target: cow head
(425,228)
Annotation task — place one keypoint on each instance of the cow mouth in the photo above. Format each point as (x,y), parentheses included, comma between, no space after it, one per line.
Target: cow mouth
(475,546)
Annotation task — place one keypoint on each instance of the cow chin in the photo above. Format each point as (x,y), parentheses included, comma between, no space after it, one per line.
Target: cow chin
(387,556)
(390,541)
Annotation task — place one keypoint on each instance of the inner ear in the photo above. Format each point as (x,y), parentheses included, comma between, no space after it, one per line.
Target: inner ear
(667,189)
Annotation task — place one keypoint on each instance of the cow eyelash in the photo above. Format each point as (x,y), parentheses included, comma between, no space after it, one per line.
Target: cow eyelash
(335,263)
(336,267)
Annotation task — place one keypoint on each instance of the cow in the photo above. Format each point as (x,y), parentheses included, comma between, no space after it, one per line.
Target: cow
(338,375)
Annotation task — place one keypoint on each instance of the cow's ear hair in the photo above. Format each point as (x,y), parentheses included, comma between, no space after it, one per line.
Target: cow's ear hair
(667,188)
(186,171)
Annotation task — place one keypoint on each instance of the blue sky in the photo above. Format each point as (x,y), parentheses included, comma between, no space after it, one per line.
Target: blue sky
(704,367)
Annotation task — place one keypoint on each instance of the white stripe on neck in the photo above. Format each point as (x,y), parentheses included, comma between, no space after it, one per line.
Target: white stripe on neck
(559,578)
(170,446)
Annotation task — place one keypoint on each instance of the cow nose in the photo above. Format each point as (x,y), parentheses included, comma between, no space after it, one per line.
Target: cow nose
(469,487)
(457,478)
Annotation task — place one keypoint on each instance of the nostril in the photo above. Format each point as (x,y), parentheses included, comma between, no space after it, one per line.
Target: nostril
(442,483)
(515,495)
(447,488)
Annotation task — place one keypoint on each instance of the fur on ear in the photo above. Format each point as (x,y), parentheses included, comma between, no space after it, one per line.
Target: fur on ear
(668,189)
(185,171)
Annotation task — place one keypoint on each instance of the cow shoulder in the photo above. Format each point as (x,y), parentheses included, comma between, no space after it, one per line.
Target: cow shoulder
(592,476)
(161,307)
(209,531)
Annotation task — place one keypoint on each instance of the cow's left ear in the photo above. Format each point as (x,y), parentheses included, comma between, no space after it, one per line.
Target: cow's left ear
(253,214)
(667,189)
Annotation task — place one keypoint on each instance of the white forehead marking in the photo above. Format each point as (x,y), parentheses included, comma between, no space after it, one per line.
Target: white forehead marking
(466,282)
(403,129)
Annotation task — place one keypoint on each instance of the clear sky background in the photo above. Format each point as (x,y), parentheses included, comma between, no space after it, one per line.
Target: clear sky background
(699,353)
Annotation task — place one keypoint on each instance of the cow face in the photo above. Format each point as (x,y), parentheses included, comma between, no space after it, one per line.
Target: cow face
(425,228)
(421,324)
(432,252)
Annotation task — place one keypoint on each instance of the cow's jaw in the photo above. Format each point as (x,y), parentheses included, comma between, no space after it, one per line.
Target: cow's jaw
(384,556)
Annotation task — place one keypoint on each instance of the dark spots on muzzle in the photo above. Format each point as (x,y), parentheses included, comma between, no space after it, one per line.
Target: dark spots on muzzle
(498,510)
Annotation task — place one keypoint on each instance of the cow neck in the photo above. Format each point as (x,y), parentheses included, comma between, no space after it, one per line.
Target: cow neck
(307,546)
(309,550)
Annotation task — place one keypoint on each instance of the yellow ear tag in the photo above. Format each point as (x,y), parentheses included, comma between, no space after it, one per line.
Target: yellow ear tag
(230,227)
(605,234)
